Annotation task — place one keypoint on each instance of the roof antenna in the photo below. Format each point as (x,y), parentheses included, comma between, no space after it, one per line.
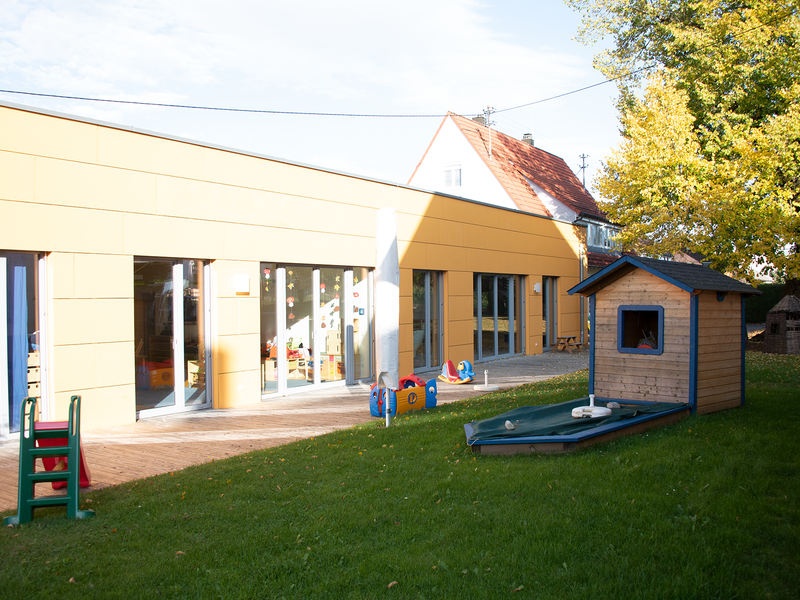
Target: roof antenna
(582,167)
(487,120)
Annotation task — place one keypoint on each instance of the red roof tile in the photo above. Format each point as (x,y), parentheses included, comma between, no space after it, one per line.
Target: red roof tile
(513,160)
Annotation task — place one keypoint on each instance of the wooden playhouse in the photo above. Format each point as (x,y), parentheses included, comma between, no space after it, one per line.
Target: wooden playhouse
(664,331)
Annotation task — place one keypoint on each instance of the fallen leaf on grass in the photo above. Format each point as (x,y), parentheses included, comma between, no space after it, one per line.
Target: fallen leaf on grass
(72,580)
(180,552)
(518,589)
(391,584)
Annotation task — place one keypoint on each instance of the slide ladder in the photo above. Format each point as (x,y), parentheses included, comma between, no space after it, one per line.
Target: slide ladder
(29,434)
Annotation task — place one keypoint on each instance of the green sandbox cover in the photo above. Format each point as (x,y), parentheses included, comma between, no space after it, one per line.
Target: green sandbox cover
(556,420)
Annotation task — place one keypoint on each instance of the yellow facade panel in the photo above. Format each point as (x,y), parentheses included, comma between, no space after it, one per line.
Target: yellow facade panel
(451,233)
(21,186)
(149,154)
(59,228)
(412,253)
(460,334)
(62,274)
(460,307)
(75,367)
(406,282)
(445,258)
(406,310)
(100,407)
(413,202)
(228,318)
(103,276)
(85,185)
(29,133)
(189,198)
(459,282)
(406,335)
(84,321)
(115,364)
(418,228)
(474,236)
(238,353)
(151,235)
(238,389)
(461,352)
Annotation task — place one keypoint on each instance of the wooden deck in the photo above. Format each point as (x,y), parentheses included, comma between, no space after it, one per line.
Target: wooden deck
(171,443)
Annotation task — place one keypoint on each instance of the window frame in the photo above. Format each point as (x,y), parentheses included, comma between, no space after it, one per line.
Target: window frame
(626,308)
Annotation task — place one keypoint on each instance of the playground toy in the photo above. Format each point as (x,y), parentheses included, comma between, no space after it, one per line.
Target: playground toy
(403,400)
(465,374)
(591,411)
(36,440)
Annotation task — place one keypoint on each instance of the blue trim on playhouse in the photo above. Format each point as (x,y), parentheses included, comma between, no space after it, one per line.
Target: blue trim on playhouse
(623,308)
(591,342)
(694,331)
(744,346)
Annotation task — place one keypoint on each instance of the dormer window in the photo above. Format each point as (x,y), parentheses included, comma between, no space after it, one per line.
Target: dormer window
(452,176)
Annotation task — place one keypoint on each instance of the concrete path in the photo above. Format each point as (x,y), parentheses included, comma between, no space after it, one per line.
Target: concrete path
(166,444)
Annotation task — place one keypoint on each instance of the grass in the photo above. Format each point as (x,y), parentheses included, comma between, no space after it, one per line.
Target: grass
(706,508)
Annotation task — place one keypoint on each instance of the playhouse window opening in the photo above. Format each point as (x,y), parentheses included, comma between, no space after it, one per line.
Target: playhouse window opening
(641,329)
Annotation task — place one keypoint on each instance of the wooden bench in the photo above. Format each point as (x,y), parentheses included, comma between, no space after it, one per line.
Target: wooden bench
(567,342)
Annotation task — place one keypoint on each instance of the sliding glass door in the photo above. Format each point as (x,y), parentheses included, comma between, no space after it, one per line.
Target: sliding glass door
(549,312)
(498,306)
(427,318)
(22,360)
(171,326)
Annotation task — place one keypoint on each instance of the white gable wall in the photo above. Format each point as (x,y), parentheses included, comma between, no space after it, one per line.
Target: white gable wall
(451,148)
(558,209)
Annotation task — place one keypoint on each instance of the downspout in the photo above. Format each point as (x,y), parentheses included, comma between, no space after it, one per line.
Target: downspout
(583,304)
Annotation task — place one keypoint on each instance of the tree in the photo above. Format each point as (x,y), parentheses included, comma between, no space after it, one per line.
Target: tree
(710,116)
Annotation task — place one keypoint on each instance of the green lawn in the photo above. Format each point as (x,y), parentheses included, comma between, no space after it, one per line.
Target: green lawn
(707,508)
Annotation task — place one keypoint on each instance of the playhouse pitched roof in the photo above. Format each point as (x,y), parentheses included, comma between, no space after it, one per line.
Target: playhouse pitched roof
(686,276)
(514,162)
(788,304)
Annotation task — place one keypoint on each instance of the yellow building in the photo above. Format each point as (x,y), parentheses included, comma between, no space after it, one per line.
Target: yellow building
(152,274)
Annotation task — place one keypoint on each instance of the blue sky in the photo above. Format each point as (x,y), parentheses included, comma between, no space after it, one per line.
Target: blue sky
(415,57)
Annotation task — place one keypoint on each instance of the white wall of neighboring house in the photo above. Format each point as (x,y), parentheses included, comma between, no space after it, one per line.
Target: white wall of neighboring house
(451,148)
(558,209)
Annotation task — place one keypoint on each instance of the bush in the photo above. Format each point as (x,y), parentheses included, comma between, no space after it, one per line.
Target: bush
(757,307)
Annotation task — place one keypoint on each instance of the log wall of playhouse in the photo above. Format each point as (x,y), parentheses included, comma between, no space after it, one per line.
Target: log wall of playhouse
(666,332)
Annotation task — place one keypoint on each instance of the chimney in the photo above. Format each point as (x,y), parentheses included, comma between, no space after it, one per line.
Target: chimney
(527,138)
(479,120)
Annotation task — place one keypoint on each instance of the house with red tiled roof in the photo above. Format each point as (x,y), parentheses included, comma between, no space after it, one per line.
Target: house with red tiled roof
(467,159)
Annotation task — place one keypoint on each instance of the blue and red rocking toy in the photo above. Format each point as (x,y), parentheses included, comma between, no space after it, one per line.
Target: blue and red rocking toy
(414,393)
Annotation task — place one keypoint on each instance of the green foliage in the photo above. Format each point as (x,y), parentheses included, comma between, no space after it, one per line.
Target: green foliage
(710,112)
(705,508)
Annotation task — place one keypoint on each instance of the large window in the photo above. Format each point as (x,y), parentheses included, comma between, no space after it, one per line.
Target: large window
(427,304)
(315,326)
(498,306)
(640,329)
